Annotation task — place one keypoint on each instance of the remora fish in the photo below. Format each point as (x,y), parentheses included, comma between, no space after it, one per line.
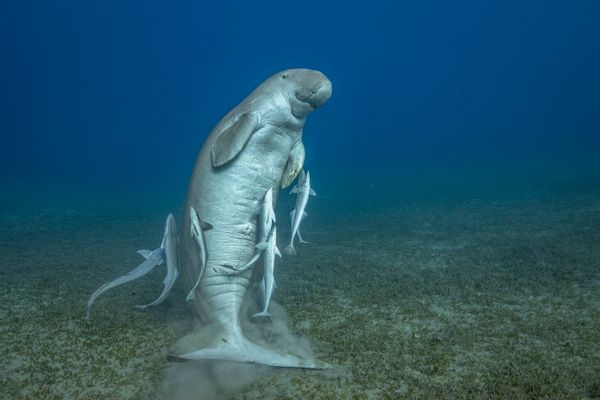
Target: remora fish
(266,218)
(297,215)
(268,280)
(197,229)
(167,251)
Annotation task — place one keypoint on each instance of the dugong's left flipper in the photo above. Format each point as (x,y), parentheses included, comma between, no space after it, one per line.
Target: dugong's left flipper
(167,250)
(293,166)
(169,246)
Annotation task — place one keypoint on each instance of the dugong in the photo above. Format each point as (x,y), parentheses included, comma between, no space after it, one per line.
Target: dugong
(255,148)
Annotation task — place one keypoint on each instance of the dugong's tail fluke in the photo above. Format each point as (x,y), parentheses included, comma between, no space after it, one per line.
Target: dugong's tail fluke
(249,352)
(166,252)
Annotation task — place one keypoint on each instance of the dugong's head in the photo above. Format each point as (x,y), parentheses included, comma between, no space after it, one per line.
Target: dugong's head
(303,89)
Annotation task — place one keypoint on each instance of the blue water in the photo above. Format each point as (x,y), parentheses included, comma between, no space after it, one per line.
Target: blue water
(110,95)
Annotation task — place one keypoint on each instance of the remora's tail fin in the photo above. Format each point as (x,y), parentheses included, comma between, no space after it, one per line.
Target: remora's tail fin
(166,252)
(290,250)
(249,352)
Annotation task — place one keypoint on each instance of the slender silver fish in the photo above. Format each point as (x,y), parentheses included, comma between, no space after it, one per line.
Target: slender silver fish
(297,215)
(268,279)
(266,218)
(167,251)
(169,246)
(197,229)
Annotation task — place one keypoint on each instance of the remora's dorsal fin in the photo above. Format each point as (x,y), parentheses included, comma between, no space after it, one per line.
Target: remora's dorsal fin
(232,140)
(145,253)
(205,226)
(262,245)
(312,192)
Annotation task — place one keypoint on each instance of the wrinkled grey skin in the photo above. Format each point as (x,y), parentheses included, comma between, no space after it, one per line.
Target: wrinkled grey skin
(255,147)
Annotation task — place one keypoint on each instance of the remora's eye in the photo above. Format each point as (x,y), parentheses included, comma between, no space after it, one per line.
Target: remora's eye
(284,76)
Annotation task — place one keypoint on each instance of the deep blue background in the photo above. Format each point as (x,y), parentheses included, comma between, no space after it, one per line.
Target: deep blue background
(112,95)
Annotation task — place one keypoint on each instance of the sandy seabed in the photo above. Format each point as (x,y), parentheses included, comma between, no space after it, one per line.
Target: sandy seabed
(418,293)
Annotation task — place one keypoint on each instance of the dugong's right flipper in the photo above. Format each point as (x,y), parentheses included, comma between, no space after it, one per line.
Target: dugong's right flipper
(293,166)
(166,252)
(232,140)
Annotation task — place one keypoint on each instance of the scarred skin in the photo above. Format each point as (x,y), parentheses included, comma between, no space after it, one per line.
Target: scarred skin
(227,191)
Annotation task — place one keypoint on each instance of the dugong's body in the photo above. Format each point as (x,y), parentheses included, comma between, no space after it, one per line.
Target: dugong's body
(256,147)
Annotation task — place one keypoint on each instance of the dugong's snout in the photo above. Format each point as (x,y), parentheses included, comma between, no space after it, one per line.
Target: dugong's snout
(315,88)
(321,95)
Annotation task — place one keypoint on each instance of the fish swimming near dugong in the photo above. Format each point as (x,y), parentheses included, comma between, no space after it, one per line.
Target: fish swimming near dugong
(166,253)
(298,214)
(266,220)
(255,148)
(197,229)
(268,247)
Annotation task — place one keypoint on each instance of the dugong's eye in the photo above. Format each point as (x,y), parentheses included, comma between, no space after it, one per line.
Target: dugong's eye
(284,76)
